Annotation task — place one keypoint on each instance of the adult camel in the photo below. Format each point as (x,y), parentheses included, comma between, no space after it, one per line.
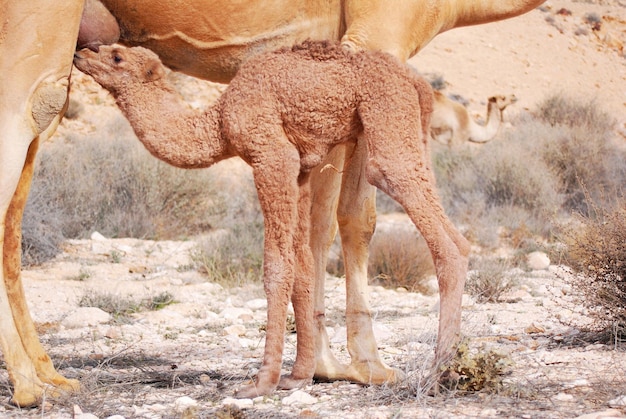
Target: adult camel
(210,39)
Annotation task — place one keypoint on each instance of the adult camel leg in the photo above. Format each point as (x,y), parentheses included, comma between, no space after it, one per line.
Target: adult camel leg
(12,278)
(22,374)
(356,216)
(356,213)
(302,299)
(325,186)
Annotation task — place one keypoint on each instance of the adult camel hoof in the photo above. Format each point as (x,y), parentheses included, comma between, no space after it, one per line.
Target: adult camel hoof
(25,399)
(288,382)
(374,373)
(254,390)
(27,396)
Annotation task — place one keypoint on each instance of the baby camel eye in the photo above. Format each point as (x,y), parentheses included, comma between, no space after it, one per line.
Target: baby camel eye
(117,59)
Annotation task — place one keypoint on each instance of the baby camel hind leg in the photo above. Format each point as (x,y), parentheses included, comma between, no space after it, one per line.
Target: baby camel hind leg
(410,182)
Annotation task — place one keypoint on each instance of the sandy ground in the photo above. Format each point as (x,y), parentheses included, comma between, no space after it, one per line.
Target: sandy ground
(187,359)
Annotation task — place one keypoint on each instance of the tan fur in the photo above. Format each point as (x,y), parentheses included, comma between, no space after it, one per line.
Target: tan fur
(282,114)
(452,125)
(212,45)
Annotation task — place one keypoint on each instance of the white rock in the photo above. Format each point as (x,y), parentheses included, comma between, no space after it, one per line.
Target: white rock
(563,397)
(538,261)
(97,236)
(605,414)
(183,403)
(299,397)
(240,403)
(86,316)
(115,417)
(250,343)
(234,313)
(257,304)
(235,330)
(618,402)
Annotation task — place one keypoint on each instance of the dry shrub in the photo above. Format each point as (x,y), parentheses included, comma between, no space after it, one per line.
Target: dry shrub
(596,250)
(400,258)
(582,154)
(111,184)
(481,370)
(489,279)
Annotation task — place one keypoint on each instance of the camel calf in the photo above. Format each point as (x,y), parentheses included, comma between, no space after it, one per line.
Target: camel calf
(282,114)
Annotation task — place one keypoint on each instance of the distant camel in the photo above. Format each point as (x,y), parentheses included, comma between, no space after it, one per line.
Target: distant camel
(452,125)
(282,113)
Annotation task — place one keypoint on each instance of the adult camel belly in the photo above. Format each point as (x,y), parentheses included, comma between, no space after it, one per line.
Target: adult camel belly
(210,39)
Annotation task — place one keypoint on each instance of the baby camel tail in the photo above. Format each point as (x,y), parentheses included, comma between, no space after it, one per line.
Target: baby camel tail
(282,114)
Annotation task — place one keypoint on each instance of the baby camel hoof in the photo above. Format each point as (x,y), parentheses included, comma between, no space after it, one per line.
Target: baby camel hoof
(287,382)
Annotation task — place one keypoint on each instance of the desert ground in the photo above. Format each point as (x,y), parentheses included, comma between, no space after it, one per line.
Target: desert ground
(187,359)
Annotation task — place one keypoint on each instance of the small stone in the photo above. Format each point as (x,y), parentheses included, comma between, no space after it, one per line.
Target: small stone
(533,328)
(97,236)
(113,333)
(618,402)
(299,397)
(538,261)
(235,330)
(77,413)
(240,403)
(563,397)
(257,304)
(605,414)
(86,316)
(235,313)
(185,403)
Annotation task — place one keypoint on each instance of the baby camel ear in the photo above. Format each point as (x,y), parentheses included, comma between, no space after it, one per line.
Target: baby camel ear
(154,71)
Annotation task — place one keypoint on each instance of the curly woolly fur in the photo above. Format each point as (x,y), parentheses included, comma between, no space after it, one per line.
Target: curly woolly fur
(282,113)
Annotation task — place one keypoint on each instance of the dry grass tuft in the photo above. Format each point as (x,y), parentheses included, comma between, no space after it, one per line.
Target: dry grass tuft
(120,306)
(489,279)
(400,258)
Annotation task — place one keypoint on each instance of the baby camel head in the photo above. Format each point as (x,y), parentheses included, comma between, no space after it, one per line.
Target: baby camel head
(115,67)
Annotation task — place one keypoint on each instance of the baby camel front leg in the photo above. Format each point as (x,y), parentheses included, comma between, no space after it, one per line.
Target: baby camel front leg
(276,180)
(302,297)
